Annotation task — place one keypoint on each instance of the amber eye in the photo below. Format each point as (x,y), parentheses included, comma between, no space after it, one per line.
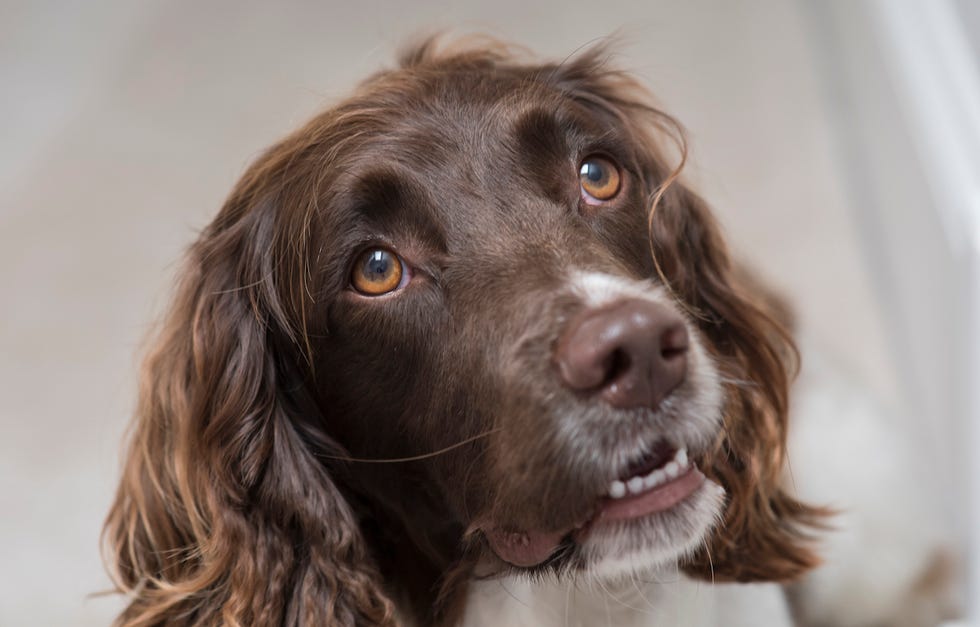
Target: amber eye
(599,178)
(376,272)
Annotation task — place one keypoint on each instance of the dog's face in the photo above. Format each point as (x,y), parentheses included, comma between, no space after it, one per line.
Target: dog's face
(467,318)
(491,276)
(490,281)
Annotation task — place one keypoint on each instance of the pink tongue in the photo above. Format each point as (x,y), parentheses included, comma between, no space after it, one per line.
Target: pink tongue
(522,548)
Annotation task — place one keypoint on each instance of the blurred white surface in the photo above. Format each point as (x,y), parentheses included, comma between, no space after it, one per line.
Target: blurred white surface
(124,124)
(910,132)
(937,78)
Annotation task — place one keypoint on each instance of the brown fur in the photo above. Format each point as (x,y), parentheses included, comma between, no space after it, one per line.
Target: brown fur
(236,503)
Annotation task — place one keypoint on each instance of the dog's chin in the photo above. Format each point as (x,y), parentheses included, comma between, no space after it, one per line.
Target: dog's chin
(625,548)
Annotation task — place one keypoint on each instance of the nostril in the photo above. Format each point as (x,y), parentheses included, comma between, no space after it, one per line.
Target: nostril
(618,363)
(673,342)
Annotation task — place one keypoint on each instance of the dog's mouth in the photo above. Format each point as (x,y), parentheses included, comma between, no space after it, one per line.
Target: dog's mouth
(654,483)
(660,481)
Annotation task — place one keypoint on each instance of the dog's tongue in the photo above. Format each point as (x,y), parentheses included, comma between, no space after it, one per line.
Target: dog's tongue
(524,548)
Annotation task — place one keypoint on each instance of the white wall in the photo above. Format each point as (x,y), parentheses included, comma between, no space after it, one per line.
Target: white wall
(904,85)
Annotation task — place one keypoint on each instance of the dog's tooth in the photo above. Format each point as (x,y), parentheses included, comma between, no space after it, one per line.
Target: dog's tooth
(635,485)
(654,479)
(681,457)
(617,490)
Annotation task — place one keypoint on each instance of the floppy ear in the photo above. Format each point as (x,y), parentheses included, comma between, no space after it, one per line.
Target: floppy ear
(223,514)
(764,533)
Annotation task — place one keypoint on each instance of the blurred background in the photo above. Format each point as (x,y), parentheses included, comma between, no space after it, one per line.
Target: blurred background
(839,143)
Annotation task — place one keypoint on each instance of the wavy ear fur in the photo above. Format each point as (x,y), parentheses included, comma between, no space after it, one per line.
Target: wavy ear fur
(224,515)
(764,534)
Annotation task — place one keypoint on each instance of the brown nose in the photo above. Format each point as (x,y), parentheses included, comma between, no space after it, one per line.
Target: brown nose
(631,354)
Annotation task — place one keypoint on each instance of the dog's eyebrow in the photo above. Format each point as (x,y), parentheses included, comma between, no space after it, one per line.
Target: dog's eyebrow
(539,132)
(378,190)
(552,133)
(390,202)
(546,138)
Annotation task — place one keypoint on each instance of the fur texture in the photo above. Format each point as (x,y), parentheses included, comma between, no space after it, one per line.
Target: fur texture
(306,454)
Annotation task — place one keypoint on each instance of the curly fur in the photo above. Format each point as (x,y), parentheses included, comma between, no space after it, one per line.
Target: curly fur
(236,504)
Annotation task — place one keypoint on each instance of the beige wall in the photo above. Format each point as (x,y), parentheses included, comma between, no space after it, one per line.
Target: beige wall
(122,126)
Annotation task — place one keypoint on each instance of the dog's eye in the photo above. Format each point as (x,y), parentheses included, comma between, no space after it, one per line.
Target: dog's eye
(376,272)
(599,178)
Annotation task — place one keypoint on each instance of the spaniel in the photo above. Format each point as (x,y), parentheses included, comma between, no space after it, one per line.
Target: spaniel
(463,350)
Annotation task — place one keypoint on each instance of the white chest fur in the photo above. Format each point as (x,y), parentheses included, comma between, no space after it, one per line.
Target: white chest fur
(673,600)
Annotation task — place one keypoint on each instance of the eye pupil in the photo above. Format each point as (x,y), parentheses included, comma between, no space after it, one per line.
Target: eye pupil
(599,178)
(592,171)
(377,271)
(378,264)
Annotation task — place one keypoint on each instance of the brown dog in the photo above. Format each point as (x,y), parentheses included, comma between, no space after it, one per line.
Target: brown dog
(466,323)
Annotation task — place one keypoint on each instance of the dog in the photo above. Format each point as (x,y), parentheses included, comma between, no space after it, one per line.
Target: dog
(465,350)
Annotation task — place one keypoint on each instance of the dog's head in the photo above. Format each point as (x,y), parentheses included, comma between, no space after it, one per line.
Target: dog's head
(466,319)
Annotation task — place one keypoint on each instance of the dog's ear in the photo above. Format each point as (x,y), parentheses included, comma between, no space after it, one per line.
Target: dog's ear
(764,533)
(224,513)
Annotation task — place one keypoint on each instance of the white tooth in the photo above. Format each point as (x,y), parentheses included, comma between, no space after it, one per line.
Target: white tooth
(649,481)
(681,457)
(635,485)
(617,490)
(657,477)
(672,469)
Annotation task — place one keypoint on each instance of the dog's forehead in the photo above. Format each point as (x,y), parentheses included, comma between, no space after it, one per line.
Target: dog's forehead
(477,147)
(476,174)
(473,119)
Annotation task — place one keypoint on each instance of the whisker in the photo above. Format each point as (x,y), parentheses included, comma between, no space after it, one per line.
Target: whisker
(466,479)
(520,601)
(711,564)
(619,600)
(413,458)
(744,383)
(637,580)
(568,602)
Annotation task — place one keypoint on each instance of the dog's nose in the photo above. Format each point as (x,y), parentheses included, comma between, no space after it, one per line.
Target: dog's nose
(631,354)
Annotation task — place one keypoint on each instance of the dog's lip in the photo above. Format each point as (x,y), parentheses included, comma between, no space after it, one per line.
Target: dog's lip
(648,503)
(531,548)
(524,548)
(654,500)
(528,548)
